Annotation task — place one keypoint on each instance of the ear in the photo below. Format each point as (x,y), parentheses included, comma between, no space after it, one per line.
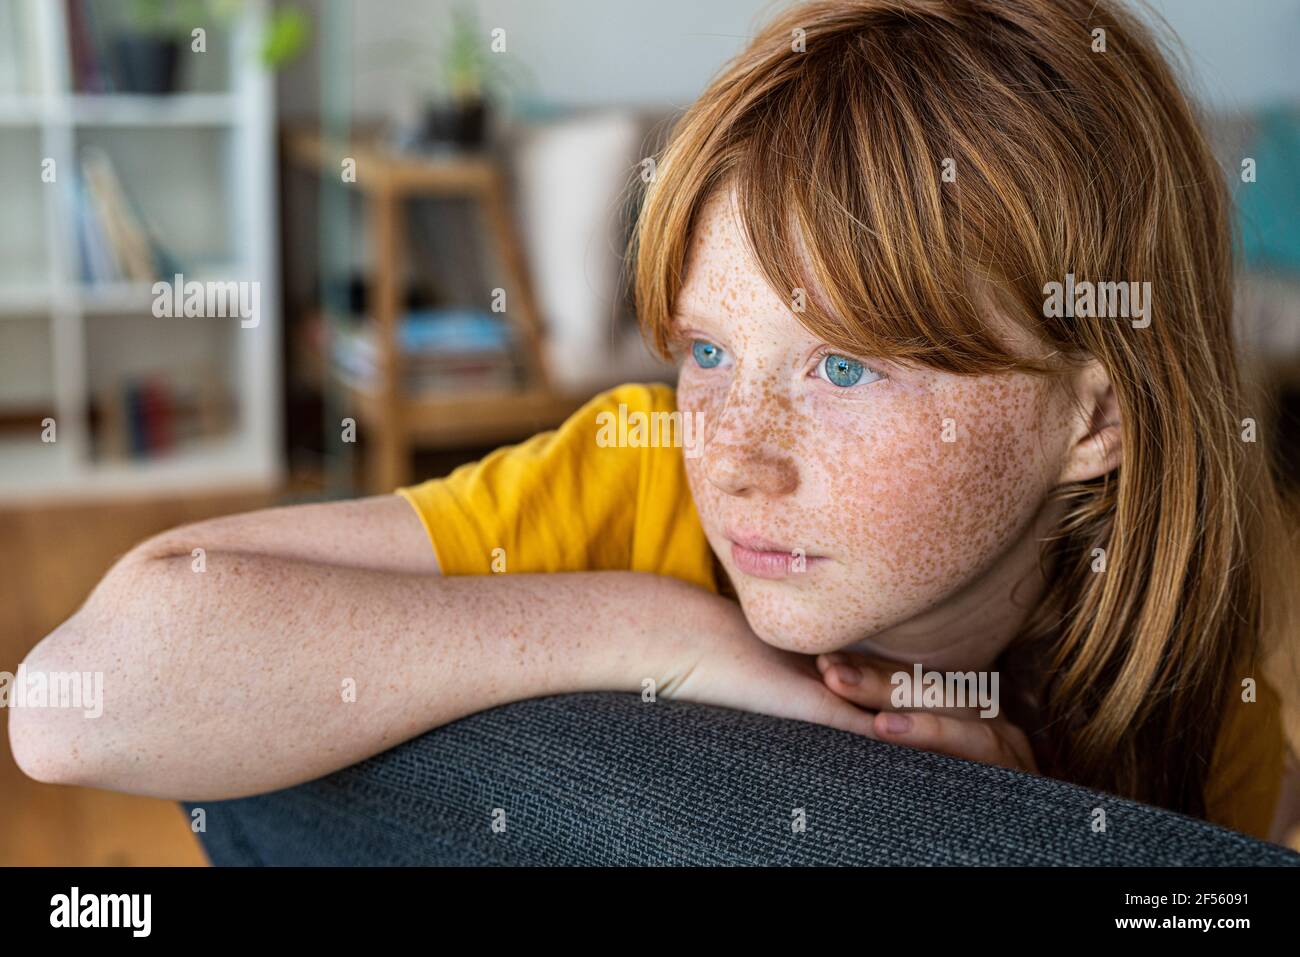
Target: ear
(1095,447)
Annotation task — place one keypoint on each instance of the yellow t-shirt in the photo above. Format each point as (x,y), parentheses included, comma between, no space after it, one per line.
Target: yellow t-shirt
(568,500)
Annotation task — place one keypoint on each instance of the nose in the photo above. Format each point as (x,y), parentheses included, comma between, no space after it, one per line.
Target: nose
(738,456)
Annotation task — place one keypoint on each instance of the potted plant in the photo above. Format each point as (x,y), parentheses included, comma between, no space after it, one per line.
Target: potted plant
(147,55)
(456,80)
(461,118)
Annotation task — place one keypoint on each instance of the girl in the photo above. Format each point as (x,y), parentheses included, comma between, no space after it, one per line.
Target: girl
(907,456)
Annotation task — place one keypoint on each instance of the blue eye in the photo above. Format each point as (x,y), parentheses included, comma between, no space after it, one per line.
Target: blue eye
(706,353)
(843,371)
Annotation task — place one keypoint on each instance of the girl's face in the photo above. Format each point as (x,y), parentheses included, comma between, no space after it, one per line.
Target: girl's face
(854,502)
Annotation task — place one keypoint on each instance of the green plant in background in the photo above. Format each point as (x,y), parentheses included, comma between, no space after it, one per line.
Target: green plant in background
(467,62)
(287,27)
(287,34)
(456,64)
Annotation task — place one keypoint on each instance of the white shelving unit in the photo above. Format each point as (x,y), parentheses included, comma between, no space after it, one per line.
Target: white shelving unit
(201,167)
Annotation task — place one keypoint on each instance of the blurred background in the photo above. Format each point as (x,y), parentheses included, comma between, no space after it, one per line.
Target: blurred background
(430,201)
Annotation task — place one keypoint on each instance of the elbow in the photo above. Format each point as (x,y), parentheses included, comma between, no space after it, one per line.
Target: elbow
(25,743)
(60,730)
(36,748)
(50,700)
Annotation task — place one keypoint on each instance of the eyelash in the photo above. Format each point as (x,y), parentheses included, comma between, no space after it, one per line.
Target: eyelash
(686,342)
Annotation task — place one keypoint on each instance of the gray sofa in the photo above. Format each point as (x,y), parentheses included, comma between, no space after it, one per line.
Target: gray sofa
(605,779)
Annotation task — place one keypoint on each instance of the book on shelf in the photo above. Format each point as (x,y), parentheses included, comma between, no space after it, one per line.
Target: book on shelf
(91,71)
(144,416)
(115,240)
(441,351)
(98,260)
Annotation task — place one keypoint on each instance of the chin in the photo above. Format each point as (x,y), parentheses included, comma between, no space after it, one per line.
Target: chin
(795,626)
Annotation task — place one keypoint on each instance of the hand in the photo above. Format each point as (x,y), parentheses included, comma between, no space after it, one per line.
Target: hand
(719,660)
(959,732)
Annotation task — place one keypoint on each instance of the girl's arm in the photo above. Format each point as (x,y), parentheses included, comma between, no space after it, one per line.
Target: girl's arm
(381,532)
(305,646)
(312,637)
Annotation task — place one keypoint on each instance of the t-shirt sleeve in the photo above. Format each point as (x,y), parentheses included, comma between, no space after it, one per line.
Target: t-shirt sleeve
(558,502)
(1246,774)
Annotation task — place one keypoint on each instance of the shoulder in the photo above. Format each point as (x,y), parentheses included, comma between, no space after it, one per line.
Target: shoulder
(627,403)
(566,499)
(620,404)
(584,440)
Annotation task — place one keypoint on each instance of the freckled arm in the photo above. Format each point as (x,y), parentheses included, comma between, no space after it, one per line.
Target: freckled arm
(266,670)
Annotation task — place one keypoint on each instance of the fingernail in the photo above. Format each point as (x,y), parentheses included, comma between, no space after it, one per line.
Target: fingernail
(897,723)
(848,674)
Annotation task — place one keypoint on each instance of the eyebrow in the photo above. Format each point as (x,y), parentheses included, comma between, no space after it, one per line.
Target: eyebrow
(679,318)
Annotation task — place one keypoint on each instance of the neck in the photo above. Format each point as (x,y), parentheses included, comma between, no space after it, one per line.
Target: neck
(971,629)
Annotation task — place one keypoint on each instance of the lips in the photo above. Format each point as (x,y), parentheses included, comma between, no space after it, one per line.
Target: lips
(764,558)
(757,543)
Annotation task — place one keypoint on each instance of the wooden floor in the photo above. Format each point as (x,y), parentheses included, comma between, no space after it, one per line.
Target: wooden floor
(50,558)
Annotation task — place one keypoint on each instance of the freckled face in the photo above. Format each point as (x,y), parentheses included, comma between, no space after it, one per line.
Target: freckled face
(896,526)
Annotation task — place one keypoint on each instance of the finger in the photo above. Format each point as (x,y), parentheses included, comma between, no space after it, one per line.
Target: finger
(944,734)
(864,686)
(861,659)
(824,661)
(829,658)
(869,683)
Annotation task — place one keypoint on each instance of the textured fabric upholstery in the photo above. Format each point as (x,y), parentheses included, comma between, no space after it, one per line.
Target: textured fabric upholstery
(605,779)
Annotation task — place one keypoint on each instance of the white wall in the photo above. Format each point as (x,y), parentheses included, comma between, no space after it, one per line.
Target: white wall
(1244,52)
(663,52)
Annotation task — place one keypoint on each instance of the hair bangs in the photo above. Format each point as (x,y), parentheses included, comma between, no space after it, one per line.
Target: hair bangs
(822,166)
